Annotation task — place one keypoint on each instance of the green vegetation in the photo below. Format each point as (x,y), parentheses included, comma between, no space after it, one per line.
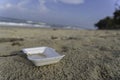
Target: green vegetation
(110,22)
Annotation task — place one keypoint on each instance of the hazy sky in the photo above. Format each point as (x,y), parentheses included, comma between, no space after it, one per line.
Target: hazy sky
(84,13)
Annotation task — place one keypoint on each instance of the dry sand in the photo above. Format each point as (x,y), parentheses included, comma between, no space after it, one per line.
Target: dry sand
(90,54)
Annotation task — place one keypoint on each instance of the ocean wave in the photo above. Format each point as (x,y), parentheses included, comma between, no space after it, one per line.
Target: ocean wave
(23,24)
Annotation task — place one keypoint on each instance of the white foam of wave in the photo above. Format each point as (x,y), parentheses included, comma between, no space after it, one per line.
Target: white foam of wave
(24,24)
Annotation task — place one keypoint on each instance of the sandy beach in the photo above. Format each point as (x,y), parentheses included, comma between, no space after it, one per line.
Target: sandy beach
(89,54)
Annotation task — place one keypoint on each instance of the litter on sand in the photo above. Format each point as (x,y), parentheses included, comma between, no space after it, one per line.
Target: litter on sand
(42,55)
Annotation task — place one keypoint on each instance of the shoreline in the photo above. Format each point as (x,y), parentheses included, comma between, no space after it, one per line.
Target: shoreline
(32,26)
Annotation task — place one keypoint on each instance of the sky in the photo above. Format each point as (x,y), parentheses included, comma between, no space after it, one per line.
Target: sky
(83,13)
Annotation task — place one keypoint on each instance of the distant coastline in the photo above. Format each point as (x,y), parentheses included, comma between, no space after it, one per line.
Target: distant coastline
(13,22)
(33,25)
